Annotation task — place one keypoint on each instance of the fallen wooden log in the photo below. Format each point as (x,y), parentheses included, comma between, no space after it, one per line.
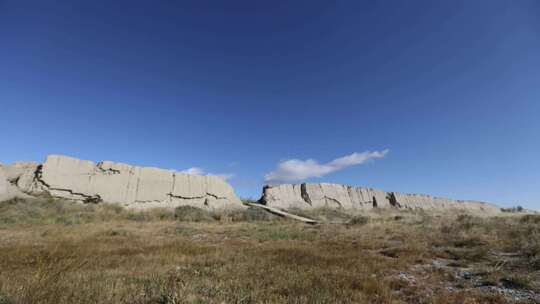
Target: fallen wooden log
(283,213)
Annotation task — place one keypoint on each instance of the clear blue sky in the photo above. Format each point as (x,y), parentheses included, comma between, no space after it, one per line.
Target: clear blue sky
(450,88)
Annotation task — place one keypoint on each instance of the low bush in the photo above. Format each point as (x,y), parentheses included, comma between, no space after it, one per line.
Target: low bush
(4,299)
(250,214)
(515,209)
(531,219)
(192,214)
(358,220)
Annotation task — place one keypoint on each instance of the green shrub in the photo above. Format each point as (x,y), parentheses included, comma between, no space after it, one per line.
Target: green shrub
(330,214)
(358,220)
(251,214)
(248,200)
(530,218)
(516,209)
(192,214)
(4,299)
(136,216)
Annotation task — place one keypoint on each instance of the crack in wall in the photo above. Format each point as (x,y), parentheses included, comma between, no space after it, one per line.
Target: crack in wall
(215,196)
(326,198)
(39,183)
(196,197)
(86,198)
(172,187)
(14,181)
(263,200)
(356,193)
(108,171)
(137,188)
(391,196)
(304,194)
(148,201)
(37,177)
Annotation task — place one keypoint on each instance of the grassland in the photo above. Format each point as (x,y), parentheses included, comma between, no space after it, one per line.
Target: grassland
(59,252)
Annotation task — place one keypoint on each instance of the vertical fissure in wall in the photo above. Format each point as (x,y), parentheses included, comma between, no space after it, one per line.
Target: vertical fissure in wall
(391,196)
(304,194)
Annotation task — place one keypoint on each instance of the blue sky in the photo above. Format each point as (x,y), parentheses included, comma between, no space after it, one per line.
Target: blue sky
(437,97)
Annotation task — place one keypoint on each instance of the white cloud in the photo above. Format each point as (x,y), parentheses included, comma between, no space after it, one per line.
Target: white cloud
(297,169)
(194,171)
(200,171)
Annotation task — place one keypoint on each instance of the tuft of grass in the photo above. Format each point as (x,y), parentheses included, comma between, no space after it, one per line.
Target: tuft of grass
(358,220)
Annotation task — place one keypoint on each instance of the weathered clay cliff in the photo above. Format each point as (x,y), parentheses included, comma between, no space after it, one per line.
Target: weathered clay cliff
(146,187)
(307,196)
(131,186)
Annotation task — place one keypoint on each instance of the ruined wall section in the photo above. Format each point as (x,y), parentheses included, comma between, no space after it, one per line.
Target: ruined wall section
(132,186)
(324,195)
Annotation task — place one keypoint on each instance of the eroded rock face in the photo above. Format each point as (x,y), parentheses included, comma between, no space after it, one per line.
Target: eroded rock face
(307,196)
(131,186)
(10,177)
(14,171)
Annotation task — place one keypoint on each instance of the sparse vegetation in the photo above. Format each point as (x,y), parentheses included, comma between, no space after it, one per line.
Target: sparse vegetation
(513,209)
(358,220)
(60,252)
(192,214)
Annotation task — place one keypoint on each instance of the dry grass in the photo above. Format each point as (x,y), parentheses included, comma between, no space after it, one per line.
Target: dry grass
(57,252)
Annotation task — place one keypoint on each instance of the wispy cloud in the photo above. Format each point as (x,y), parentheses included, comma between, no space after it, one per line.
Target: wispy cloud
(200,171)
(297,169)
(194,171)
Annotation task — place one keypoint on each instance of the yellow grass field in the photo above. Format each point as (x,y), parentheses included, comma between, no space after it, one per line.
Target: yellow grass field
(60,252)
